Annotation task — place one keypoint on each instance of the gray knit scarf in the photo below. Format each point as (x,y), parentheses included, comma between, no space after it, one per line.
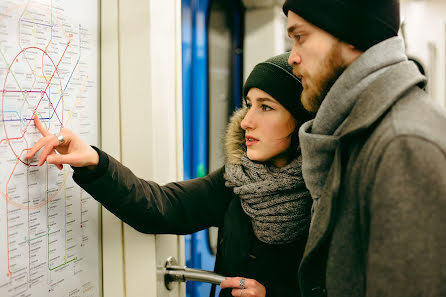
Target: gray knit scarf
(320,138)
(276,199)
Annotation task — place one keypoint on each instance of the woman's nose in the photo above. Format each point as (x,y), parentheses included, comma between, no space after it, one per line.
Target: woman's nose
(248,121)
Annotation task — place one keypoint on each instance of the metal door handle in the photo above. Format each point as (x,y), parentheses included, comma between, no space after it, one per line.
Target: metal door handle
(175,273)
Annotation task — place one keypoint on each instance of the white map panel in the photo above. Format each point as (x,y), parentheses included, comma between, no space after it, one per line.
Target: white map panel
(49,241)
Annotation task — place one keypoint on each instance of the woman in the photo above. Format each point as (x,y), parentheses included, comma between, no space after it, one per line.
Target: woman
(258,199)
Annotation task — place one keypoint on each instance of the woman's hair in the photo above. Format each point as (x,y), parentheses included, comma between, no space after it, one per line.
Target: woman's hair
(275,77)
(294,149)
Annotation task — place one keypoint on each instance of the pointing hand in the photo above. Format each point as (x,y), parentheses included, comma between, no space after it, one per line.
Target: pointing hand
(69,149)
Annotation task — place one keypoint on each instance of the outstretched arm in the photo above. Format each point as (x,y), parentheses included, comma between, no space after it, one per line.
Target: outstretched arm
(175,208)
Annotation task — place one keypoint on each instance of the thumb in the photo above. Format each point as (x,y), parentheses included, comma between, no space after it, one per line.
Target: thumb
(59,160)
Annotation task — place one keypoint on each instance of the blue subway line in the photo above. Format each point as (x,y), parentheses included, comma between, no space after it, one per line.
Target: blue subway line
(24,119)
(26,21)
(12,111)
(61,96)
(18,116)
(71,75)
(19,119)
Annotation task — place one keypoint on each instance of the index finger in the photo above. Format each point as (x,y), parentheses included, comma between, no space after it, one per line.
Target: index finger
(231,282)
(40,126)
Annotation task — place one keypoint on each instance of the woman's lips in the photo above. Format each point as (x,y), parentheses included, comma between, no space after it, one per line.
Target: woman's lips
(251,140)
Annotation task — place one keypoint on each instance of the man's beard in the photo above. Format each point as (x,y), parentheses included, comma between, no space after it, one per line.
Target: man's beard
(317,88)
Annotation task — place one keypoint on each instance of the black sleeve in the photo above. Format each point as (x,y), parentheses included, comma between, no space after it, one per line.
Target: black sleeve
(176,208)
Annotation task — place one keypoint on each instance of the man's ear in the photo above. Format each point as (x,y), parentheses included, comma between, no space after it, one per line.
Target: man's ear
(350,53)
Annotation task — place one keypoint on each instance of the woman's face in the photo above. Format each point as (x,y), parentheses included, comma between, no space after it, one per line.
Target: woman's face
(268,127)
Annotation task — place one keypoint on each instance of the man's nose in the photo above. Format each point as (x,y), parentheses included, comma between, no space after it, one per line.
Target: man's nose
(294,58)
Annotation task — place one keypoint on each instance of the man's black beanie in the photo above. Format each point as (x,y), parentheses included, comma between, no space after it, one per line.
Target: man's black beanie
(362,23)
(275,77)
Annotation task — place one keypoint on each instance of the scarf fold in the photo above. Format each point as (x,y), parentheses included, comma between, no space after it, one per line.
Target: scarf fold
(275,199)
(319,138)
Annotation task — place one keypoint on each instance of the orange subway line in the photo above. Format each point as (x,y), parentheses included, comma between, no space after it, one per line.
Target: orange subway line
(51,39)
(7,217)
(43,92)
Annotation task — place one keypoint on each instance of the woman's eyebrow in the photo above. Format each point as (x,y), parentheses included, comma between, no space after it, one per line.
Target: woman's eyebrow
(266,99)
(262,99)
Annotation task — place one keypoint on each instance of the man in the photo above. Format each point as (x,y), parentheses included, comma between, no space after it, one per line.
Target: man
(374,156)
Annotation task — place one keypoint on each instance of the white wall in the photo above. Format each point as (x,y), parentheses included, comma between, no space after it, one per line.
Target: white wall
(425,31)
(265,34)
(141,88)
(141,127)
(425,23)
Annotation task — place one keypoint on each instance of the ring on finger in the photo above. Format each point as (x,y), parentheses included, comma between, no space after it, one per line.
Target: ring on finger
(242,283)
(60,138)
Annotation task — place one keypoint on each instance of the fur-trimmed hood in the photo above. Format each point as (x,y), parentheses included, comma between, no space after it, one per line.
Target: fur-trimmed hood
(235,145)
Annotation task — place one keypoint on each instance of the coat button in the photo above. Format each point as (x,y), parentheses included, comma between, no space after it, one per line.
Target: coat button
(319,291)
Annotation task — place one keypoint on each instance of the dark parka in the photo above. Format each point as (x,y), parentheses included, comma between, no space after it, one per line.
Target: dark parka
(189,206)
(379,228)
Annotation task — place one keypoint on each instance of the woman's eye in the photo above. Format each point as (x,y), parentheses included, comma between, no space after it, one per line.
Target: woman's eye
(266,107)
(248,105)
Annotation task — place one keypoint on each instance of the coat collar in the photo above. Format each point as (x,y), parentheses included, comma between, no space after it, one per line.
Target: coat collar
(377,99)
(343,95)
(371,105)
(320,138)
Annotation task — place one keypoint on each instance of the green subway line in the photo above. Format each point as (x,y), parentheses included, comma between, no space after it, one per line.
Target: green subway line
(65,198)
(47,218)
(51,269)
(29,240)
(17,82)
(13,75)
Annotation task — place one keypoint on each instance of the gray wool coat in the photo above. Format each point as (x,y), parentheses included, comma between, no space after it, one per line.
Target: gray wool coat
(379,227)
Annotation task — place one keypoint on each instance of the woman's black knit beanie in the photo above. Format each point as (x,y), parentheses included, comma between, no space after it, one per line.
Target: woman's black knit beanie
(362,23)
(275,77)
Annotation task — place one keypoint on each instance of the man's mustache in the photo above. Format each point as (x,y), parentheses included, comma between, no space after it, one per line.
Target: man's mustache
(297,73)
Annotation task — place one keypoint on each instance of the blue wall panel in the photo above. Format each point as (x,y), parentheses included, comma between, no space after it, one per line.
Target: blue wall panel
(195,121)
(195,19)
